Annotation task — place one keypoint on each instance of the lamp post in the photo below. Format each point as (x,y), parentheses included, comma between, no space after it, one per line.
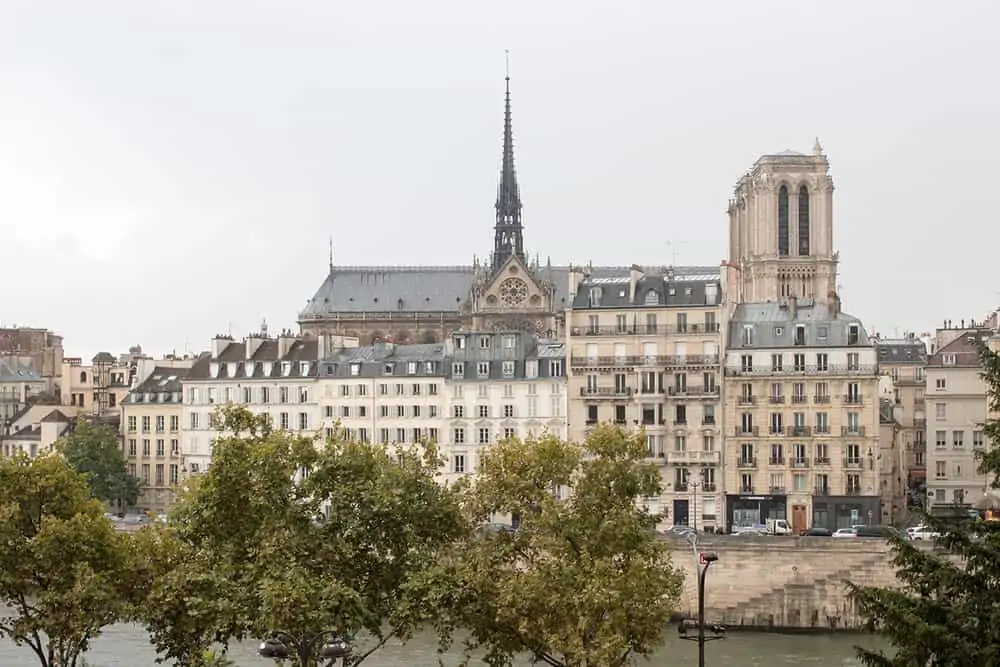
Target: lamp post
(695,485)
(319,647)
(687,626)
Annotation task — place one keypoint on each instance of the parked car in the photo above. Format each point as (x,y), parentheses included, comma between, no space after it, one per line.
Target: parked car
(817,531)
(846,532)
(924,533)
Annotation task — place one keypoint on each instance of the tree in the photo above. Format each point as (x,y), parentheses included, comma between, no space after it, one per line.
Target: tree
(281,533)
(65,572)
(583,581)
(947,611)
(95,451)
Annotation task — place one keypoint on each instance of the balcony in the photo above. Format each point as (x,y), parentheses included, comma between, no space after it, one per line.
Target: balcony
(852,430)
(748,462)
(798,431)
(853,463)
(630,360)
(804,371)
(746,490)
(821,491)
(680,487)
(693,458)
(708,421)
(708,487)
(821,398)
(800,462)
(853,399)
(852,491)
(680,422)
(775,400)
(822,460)
(799,398)
(920,423)
(647,329)
(776,461)
(822,430)
(606,392)
(710,392)
(745,431)
(747,400)
(778,491)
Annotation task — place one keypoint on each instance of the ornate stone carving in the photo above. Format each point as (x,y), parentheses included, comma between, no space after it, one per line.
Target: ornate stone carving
(513,291)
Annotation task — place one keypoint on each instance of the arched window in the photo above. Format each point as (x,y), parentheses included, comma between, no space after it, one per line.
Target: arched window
(783,221)
(803,220)
(83,377)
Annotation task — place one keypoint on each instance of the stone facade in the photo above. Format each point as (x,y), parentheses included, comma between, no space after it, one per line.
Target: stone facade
(793,583)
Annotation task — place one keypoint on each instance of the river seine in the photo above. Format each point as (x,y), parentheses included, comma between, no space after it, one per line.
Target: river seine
(127,646)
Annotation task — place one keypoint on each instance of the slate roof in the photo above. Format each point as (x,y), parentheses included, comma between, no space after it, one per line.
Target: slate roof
(264,363)
(774,325)
(163,385)
(55,417)
(371,289)
(388,360)
(11,371)
(963,348)
(681,286)
(893,352)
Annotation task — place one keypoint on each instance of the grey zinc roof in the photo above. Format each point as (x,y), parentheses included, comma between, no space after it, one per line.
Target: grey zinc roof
(682,286)
(354,289)
(517,357)
(235,355)
(12,371)
(964,349)
(774,325)
(162,386)
(375,360)
(901,352)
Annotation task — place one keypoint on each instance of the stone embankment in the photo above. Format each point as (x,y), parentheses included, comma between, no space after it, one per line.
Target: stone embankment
(783,583)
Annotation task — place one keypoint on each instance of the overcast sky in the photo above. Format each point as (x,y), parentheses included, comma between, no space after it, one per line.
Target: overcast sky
(172,169)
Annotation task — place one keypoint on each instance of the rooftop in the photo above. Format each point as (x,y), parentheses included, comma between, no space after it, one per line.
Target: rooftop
(690,286)
(961,352)
(795,323)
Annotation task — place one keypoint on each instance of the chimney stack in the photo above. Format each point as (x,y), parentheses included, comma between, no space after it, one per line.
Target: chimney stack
(635,275)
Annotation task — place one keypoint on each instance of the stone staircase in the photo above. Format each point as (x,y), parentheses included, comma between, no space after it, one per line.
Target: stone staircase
(803,603)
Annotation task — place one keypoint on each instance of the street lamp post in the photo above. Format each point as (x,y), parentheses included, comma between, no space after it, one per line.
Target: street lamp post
(715,631)
(695,485)
(322,646)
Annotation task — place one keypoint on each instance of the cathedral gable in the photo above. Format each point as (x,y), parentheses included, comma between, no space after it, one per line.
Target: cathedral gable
(514,288)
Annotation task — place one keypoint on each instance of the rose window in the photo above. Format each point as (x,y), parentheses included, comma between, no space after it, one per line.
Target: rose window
(513,291)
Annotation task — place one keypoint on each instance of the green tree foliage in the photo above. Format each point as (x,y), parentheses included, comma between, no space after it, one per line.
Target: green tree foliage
(95,451)
(947,611)
(285,533)
(65,572)
(583,582)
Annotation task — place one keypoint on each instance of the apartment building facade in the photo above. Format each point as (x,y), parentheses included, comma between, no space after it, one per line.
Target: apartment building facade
(18,384)
(273,376)
(500,385)
(151,436)
(904,362)
(957,408)
(386,392)
(98,387)
(801,389)
(644,353)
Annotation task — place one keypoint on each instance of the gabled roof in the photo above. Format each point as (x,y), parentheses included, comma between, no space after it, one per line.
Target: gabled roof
(963,349)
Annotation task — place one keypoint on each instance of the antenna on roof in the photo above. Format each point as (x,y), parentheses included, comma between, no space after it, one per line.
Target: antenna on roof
(331,253)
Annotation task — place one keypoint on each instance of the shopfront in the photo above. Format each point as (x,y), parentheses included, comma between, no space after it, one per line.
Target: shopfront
(835,512)
(753,511)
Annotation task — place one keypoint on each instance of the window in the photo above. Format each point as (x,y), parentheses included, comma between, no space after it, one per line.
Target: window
(822,362)
(131,447)
(621,324)
(822,422)
(508,411)
(458,436)
(484,342)
(508,369)
(853,334)
(940,438)
(458,462)
(132,424)
(555,369)
(939,383)
(483,369)
(175,447)
(145,424)
(160,448)
(746,483)
(173,473)
(800,334)
(783,221)
(401,411)
(958,438)
(484,411)
(746,363)
(948,359)
(265,395)
(531,369)
(194,420)
(282,394)
(458,369)
(940,469)
(411,368)
(977,439)
(458,411)
(747,335)
(400,389)
(651,317)
(484,436)
(940,411)
(776,362)
(283,421)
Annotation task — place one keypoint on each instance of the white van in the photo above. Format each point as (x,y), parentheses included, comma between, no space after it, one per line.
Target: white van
(778,527)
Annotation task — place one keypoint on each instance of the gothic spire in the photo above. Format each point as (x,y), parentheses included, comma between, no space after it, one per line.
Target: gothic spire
(508,238)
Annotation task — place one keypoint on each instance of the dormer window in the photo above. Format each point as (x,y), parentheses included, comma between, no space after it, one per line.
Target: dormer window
(800,334)
(853,334)
(429,368)
(304,368)
(150,398)
(213,369)
(411,368)
(509,341)
(458,370)
(747,338)
(386,369)
(286,368)
(948,359)
(484,342)
(355,369)
(595,296)
(483,369)
(652,298)
(231,369)
(459,342)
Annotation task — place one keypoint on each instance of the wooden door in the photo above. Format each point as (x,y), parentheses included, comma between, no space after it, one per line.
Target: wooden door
(798,519)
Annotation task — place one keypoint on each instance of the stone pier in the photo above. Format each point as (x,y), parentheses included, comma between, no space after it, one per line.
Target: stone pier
(793,583)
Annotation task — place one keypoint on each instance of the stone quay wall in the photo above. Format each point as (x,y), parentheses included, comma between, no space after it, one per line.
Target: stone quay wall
(791,583)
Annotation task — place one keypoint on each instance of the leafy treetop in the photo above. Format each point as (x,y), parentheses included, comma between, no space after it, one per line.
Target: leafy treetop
(583,581)
(94,449)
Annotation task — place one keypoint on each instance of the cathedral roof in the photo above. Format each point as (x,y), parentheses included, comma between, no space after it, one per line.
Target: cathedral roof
(421,289)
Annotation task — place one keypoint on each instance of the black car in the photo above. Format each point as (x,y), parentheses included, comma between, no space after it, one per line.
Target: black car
(877,531)
(817,532)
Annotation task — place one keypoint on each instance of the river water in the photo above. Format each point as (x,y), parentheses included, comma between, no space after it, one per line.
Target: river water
(128,646)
